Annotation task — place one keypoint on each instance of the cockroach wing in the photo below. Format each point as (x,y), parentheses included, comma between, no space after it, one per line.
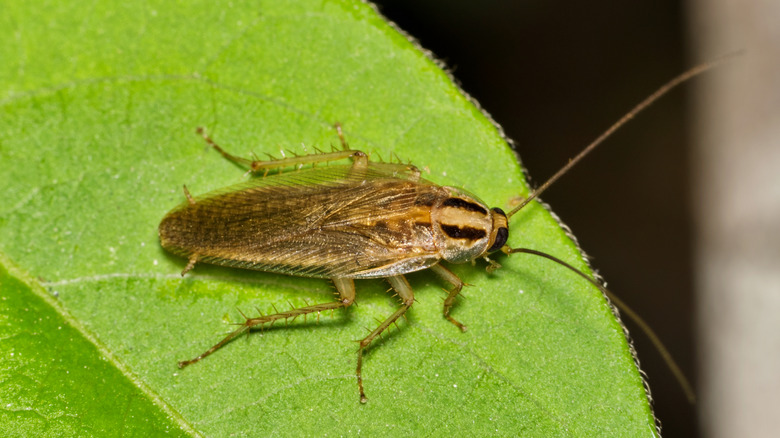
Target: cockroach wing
(326,222)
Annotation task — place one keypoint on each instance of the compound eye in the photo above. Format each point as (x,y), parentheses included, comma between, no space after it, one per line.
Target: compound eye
(501,236)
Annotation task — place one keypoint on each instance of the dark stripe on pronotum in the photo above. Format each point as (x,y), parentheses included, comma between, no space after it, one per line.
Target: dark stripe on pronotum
(465,205)
(457,232)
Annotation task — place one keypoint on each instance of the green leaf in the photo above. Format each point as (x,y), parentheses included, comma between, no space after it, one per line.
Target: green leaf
(55,380)
(99,108)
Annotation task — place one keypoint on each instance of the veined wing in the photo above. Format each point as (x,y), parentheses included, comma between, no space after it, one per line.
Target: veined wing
(334,221)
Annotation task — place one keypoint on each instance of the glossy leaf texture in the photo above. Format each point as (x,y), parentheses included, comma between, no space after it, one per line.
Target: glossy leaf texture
(98,110)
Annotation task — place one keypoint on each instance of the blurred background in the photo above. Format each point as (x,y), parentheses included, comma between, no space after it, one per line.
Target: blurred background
(554,75)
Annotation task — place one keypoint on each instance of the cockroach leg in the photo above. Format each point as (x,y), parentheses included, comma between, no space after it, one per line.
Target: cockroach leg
(344,144)
(492,265)
(190,264)
(404,290)
(359,159)
(408,171)
(345,287)
(238,160)
(457,284)
(190,199)
(258,165)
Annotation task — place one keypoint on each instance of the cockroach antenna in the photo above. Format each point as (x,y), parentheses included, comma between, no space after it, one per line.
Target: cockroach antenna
(649,100)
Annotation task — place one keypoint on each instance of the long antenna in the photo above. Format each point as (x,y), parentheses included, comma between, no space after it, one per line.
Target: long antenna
(649,100)
(701,68)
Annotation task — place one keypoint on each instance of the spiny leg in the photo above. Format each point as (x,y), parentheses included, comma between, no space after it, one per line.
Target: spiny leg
(457,284)
(259,165)
(344,144)
(404,291)
(345,287)
(190,264)
(408,171)
(190,199)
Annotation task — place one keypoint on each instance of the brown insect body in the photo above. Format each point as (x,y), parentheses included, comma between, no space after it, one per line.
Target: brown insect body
(364,220)
(334,221)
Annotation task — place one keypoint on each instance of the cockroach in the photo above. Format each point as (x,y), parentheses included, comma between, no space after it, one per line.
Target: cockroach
(355,221)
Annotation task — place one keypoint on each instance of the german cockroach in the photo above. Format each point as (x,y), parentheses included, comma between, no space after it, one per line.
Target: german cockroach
(351,221)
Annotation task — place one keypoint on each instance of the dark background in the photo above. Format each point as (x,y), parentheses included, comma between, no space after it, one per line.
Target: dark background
(555,74)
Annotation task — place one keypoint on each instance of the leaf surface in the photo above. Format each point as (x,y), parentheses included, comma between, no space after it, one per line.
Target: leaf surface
(99,108)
